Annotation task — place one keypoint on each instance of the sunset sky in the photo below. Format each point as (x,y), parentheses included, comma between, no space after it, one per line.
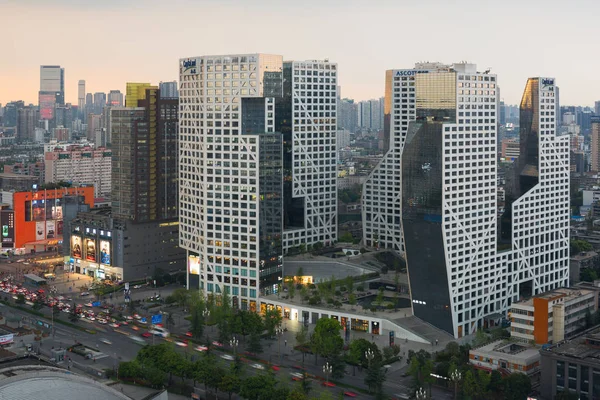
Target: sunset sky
(110,42)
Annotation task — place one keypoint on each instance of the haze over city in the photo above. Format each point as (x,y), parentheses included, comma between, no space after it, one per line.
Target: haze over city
(108,43)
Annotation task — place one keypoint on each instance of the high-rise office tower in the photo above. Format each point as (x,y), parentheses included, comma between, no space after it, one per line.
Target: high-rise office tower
(460,281)
(81,97)
(27,120)
(255,133)
(99,102)
(93,123)
(144,156)
(115,99)
(597,108)
(11,111)
(309,134)
(52,90)
(595,144)
(136,91)
(168,89)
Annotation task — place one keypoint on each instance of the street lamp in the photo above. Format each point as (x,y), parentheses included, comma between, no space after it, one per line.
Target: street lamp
(234,343)
(369,355)
(206,314)
(327,369)
(456,377)
(279,332)
(421,394)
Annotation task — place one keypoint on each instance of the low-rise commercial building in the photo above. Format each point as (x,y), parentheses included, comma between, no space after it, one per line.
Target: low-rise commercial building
(506,357)
(552,316)
(572,365)
(581,261)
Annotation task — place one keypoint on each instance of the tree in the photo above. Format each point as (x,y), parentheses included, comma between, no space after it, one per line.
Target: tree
(247,323)
(469,385)
(346,237)
(292,290)
(375,378)
(271,320)
(397,291)
(349,283)
(516,386)
(73,317)
(203,369)
(578,246)
(303,294)
(326,338)
(588,274)
(197,307)
(358,349)
(299,272)
(379,298)
(302,340)
(20,299)
(254,345)
(181,297)
(257,387)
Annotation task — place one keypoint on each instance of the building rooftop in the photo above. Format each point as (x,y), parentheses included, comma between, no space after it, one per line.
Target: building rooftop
(584,255)
(585,346)
(514,352)
(565,293)
(43,382)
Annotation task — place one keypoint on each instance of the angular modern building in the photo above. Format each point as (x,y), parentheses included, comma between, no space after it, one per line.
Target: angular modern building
(256,168)
(433,196)
(52,90)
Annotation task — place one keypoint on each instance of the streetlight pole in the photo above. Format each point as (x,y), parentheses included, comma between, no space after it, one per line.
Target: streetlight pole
(279,332)
(327,369)
(234,343)
(456,377)
(421,394)
(369,355)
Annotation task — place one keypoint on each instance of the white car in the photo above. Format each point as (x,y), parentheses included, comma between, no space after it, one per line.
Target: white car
(201,348)
(257,366)
(105,341)
(157,331)
(227,357)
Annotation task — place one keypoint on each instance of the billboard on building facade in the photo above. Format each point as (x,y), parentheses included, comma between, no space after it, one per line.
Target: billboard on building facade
(90,250)
(105,252)
(8,228)
(76,246)
(194,264)
(50,229)
(40,230)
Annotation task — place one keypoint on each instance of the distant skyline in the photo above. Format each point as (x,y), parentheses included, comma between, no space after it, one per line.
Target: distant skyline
(110,42)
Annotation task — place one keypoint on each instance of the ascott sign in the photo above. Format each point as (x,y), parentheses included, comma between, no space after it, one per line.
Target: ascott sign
(410,72)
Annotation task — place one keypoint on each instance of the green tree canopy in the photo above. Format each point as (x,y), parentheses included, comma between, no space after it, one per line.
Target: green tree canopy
(326,339)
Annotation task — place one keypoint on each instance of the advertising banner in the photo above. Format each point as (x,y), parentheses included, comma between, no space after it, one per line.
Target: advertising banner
(6,339)
(40,230)
(57,212)
(8,228)
(90,250)
(194,265)
(105,252)
(50,229)
(76,246)
(59,228)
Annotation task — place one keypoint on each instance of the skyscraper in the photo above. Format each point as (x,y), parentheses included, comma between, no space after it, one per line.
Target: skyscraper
(597,108)
(257,140)
(168,89)
(460,281)
(27,119)
(99,102)
(115,99)
(81,98)
(595,144)
(144,155)
(134,92)
(52,90)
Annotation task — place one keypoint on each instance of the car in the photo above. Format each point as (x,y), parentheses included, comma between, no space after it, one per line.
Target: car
(218,344)
(146,334)
(257,366)
(102,321)
(201,348)
(137,316)
(138,340)
(91,318)
(137,286)
(180,343)
(89,304)
(105,341)
(350,394)
(83,294)
(158,331)
(114,325)
(227,357)
(297,376)
(135,328)
(189,334)
(328,384)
